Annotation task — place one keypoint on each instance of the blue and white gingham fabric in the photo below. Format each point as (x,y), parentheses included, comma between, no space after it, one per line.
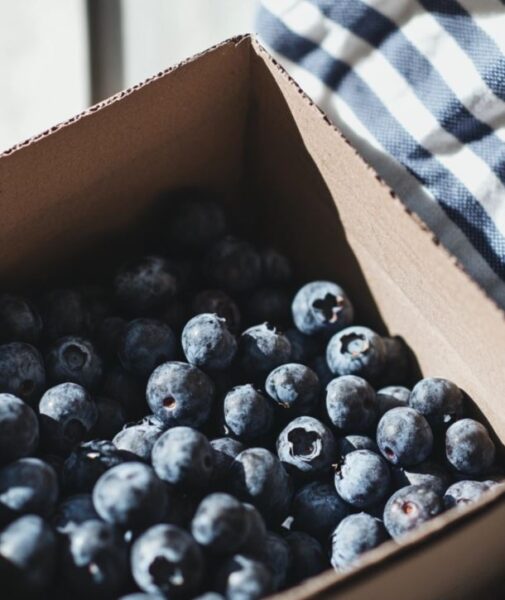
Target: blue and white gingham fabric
(419,88)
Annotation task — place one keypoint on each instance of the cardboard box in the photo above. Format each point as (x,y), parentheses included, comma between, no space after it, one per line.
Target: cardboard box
(230,119)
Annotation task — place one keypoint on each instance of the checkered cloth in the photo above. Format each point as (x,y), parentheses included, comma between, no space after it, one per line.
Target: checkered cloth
(419,88)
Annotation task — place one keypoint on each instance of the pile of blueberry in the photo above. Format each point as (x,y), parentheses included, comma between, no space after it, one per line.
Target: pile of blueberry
(202,426)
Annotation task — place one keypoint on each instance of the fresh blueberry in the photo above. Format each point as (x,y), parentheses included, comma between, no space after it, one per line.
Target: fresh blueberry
(270,304)
(89,461)
(19,429)
(196,221)
(353,536)
(465,492)
(351,404)
(219,303)
(111,418)
(145,344)
(258,477)
(220,523)
(397,366)
(128,390)
(131,496)
(303,347)
(294,387)
(317,509)
(428,473)
(64,312)
(19,320)
(108,336)
(28,485)
(278,559)
(248,415)
(392,396)
(22,371)
(356,351)
(321,307)
(98,302)
(225,450)
(320,367)
(76,360)
(94,560)
(307,556)
(276,267)
(243,578)
(145,284)
(262,348)
(404,437)
(180,394)
(233,265)
(469,448)
(410,507)
(139,438)
(184,458)
(439,400)
(256,536)
(166,560)
(73,511)
(306,446)
(363,478)
(349,443)
(67,415)
(27,557)
(208,343)
(142,596)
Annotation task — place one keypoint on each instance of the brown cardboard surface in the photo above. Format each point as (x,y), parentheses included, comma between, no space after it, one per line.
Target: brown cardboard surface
(230,119)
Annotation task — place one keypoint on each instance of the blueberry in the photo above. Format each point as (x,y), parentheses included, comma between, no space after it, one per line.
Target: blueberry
(128,390)
(73,511)
(243,578)
(108,336)
(262,348)
(139,438)
(303,347)
(317,509)
(439,400)
(183,457)
(142,596)
(351,404)
(73,359)
(22,371)
(64,312)
(363,478)
(67,415)
(196,221)
(225,450)
(355,535)
(130,495)
(248,415)
(145,284)
(145,344)
(392,396)
(219,303)
(220,523)
(208,343)
(306,446)
(428,473)
(277,559)
(276,267)
(19,428)
(258,477)
(19,320)
(321,307)
(94,560)
(410,507)
(28,485)
(233,265)
(88,461)
(111,418)
(465,492)
(181,508)
(268,304)
(320,367)
(397,364)
(356,351)
(166,560)
(469,448)
(349,443)
(98,303)
(27,557)
(294,387)
(210,596)
(307,556)
(404,437)
(180,394)
(256,536)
